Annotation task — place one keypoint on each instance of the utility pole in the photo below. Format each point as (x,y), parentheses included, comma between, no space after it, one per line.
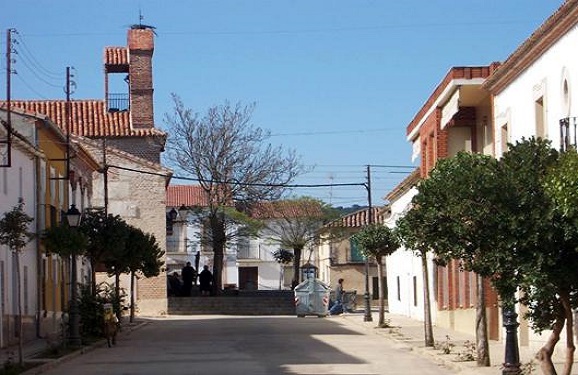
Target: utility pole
(367,317)
(8,124)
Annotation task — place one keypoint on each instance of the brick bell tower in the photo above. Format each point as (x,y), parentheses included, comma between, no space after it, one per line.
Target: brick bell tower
(134,64)
(140,71)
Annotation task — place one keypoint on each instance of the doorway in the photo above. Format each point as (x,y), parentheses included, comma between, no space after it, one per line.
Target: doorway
(248,278)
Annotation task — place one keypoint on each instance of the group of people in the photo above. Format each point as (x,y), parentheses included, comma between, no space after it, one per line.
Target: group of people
(189,276)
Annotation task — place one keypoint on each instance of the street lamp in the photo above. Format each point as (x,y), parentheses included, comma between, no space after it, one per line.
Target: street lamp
(183,210)
(511,364)
(73,217)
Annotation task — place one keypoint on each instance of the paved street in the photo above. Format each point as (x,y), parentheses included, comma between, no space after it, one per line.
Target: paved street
(250,345)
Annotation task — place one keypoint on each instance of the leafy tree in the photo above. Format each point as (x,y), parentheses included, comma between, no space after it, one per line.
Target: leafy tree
(294,224)
(107,236)
(378,241)
(457,218)
(14,234)
(231,160)
(507,220)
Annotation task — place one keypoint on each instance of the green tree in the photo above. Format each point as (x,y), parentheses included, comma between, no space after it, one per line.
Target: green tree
(232,161)
(107,236)
(457,218)
(378,241)
(14,234)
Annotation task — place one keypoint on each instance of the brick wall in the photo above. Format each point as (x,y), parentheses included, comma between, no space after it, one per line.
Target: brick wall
(140,200)
(141,48)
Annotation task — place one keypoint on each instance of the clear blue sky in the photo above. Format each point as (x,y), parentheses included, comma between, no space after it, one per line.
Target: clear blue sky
(338,81)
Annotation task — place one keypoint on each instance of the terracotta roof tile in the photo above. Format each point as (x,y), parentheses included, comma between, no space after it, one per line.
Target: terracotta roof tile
(116,56)
(89,118)
(189,195)
(286,209)
(555,27)
(360,218)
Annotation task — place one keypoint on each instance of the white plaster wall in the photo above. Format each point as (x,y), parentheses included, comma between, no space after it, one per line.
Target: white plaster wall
(515,104)
(17,182)
(403,264)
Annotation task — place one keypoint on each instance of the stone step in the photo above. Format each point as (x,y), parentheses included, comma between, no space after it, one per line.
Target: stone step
(240,303)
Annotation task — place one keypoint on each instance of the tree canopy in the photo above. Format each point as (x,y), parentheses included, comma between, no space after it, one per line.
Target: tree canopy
(506,219)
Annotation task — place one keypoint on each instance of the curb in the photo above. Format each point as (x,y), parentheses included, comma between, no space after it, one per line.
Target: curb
(52,363)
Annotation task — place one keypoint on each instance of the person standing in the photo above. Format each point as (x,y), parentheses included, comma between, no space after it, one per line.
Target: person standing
(205,281)
(188,274)
(337,307)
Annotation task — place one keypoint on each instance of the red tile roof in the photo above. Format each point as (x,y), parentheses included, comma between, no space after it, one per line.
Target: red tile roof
(286,210)
(359,218)
(116,56)
(188,195)
(89,118)
(551,31)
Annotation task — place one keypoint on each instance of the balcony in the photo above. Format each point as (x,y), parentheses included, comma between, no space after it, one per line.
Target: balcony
(568,133)
(117,102)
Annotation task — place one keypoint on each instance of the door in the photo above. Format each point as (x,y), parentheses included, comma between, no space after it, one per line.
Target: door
(248,278)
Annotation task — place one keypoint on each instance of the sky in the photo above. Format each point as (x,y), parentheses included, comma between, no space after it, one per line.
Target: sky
(336,81)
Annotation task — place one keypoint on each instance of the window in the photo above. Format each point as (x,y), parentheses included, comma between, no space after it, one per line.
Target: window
(398,288)
(540,120)
(505,137)
(355,254)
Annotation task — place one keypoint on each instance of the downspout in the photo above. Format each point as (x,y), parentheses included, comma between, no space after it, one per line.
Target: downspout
(39,268)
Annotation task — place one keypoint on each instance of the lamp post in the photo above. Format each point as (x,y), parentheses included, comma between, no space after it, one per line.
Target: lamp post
(73,217)
(367,317)
(511,364)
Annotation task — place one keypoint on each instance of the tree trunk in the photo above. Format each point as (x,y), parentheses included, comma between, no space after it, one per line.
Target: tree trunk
(296,265)
(19,302)
(219,235)
(483,350)
(117,292)
(381,287)
(132,297)
(427,323)
(93,276)
(570,348)
(544,355)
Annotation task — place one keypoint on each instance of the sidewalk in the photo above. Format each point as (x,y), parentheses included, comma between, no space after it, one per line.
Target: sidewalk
(33,348)
(409,334)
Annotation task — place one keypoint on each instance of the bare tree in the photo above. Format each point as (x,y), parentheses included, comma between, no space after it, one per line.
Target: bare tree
(231,160)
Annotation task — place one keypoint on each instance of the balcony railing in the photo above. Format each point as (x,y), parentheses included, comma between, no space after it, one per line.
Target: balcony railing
(568,133)
(117,102)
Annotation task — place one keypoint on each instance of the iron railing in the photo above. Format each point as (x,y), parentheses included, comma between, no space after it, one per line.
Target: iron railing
(117,102)
(568,133)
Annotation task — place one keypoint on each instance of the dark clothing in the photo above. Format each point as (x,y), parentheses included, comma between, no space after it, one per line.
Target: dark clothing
(205,281)
(188,274)
(174,286)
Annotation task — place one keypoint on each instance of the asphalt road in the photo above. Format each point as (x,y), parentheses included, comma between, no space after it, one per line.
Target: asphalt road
(272,345)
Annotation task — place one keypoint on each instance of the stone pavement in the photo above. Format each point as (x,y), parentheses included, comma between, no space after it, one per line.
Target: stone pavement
(406,332)
(409,333)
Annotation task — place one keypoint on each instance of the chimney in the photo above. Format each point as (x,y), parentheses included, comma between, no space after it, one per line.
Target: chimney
(141,48)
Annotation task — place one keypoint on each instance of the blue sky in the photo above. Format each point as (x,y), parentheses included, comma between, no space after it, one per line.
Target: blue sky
(337,81)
